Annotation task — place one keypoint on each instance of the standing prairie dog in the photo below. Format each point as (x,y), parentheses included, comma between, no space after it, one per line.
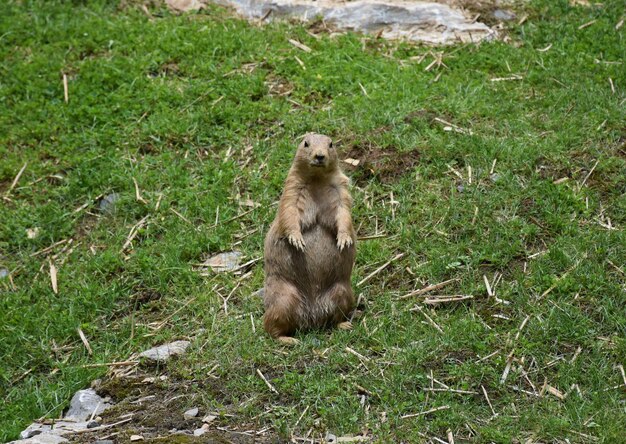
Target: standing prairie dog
(310,247)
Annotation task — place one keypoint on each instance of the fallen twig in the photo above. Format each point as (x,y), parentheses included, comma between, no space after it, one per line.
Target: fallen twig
(436,409)
(15,180)
(379,269)
(271,387)
(110,364)
(428,318)
(446,298)
(428,288)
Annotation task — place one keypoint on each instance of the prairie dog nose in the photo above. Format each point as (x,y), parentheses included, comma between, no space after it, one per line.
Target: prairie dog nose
(320,157)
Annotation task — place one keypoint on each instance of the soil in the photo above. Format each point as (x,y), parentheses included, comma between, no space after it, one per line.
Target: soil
(382,163)
(156,407)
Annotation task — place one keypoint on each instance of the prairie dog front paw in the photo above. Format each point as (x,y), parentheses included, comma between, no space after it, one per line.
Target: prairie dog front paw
(343,240)
(297,241)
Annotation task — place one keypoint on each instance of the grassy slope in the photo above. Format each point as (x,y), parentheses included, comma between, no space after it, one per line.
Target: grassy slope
(144,104)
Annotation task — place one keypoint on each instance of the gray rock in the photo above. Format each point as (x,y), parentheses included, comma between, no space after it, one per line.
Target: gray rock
(164,352)
(503,15)
(3,273)
(330,438)
(93,424)
(108,203)
(84,404)
(460,188)
(423,21)
(44,438)
(34,429)
(494,177)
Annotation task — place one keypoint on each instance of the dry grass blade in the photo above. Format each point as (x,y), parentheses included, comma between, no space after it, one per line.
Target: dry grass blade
(513,77)
(137,193)
(585,25)
(379,269)
(426,412)
(428,288)
(488,401)
(271,387)
(103,427)
(66,93)
(450,390)
(429,319)
(50,248)
(85,341)
(53,278)
(446,298)
(582,184)
(357,354)
(16,179)
(110,364)
(133,233)
(507,368)
(299,45)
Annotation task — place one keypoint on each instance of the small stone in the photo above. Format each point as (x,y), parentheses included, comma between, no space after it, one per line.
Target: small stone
(199,432)
(32,233)
(460,188)
(209,418)
(330,438)
(191,413)
(136,438)
(3,273)
(163,352)
(93,424)
(84,404)
(107,204)
(503,14)
(494,177)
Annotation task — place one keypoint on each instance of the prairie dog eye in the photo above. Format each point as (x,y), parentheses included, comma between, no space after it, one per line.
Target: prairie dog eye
(306,144)
(331,145)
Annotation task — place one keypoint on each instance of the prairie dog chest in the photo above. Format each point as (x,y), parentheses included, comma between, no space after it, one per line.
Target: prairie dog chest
(320,203)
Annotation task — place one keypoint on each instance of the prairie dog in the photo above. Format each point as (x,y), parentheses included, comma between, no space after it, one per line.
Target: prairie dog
(310,247)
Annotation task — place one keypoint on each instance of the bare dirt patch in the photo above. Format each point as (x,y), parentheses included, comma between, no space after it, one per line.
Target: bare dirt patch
(155,406)
(383,163)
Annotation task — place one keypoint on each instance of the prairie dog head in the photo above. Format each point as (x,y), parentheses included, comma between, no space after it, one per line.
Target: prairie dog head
(316,153)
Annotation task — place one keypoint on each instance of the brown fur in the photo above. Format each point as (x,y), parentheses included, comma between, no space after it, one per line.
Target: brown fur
(310,247)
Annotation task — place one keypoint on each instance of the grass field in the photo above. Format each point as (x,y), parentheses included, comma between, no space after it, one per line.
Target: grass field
(202,112)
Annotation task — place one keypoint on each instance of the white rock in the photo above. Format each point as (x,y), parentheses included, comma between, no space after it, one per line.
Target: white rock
(84,404)
(209,418)
(191,413)
(163,352)
(201,431)
(136,438)
(423,21)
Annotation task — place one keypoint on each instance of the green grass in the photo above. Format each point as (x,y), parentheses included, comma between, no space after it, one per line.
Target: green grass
(183,105)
